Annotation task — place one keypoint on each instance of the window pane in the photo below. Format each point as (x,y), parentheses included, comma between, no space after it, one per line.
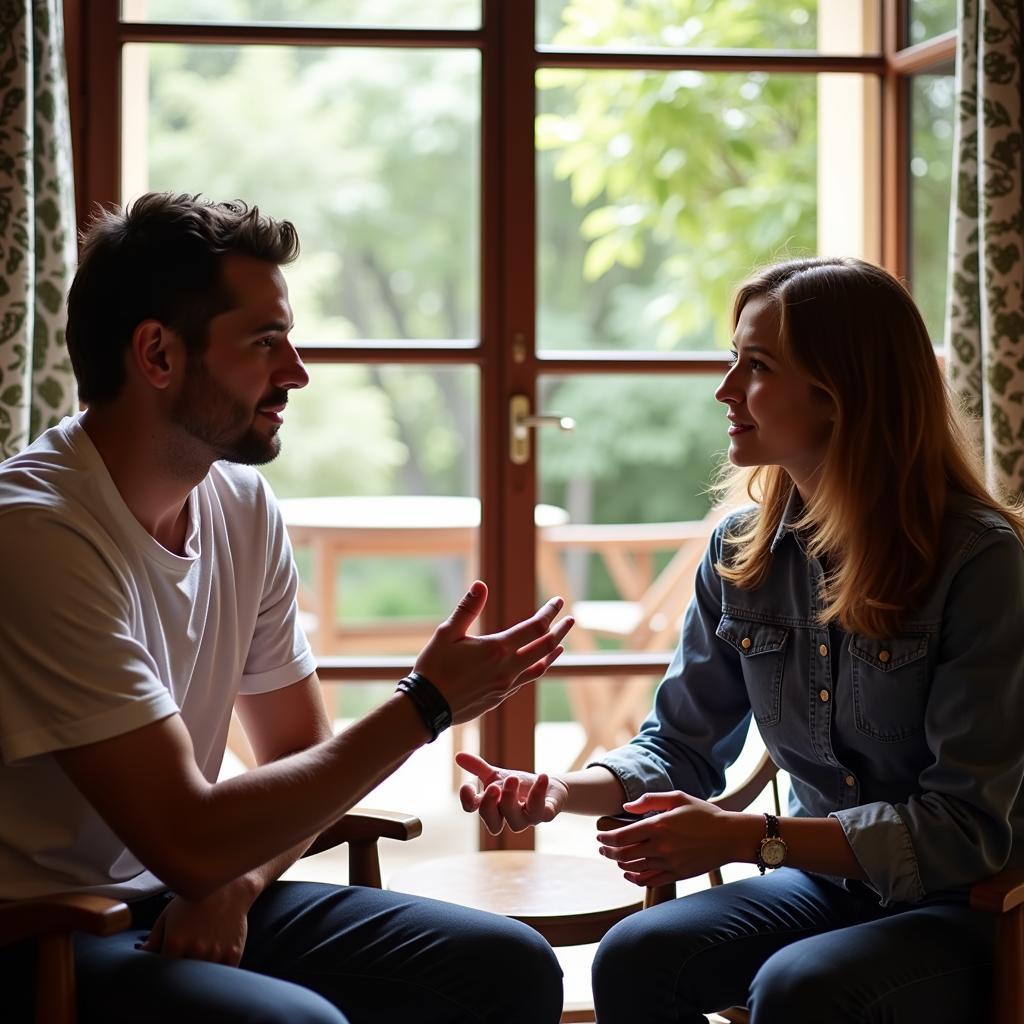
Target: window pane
(658,193)
(373,153)
(378,486)
(632,477)
(348,13)
(933,106)
(677,24)
(930,18)
(643,451)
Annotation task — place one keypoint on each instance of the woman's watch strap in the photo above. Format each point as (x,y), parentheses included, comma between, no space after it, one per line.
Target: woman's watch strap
(772,851)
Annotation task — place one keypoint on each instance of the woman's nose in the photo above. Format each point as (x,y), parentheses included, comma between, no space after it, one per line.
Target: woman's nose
(726,391)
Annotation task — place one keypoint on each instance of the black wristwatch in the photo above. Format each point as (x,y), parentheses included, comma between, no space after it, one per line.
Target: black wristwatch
(772,851)
(430,703)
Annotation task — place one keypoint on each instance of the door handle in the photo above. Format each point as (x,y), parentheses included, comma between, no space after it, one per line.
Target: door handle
(520,422)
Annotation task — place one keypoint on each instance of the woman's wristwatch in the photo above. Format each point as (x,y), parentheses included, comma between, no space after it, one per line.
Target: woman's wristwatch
(772,851)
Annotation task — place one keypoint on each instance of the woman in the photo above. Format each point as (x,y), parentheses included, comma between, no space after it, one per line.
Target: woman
(867,611)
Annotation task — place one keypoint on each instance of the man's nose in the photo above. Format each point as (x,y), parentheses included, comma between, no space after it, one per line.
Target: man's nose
(292,375)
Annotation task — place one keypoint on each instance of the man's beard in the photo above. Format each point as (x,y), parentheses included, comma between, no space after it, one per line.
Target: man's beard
(209,413)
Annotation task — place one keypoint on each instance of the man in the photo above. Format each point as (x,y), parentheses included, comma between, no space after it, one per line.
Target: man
(149,587)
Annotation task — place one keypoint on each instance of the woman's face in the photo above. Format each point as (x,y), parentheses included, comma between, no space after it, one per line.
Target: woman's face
(776,415)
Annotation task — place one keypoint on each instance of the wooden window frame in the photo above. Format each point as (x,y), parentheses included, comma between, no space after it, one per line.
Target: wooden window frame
(506,354)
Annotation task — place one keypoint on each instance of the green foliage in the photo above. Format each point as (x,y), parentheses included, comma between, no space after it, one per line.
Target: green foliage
(685,181)
(657,193)
(933,105)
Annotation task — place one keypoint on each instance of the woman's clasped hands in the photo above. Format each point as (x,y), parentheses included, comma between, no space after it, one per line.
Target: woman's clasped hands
(682,837)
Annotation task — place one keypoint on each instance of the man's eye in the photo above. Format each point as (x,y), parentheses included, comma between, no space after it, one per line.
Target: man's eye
(266,342)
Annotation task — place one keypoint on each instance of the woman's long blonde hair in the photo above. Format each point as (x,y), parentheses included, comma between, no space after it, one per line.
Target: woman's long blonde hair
(896,452)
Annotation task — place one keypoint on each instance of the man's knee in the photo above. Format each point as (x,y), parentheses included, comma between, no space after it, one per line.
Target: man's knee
(522,953)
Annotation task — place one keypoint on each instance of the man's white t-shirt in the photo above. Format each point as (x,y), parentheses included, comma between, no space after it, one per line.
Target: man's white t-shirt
(103,631)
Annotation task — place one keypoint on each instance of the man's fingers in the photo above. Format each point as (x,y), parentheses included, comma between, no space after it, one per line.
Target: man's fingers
(536,625)
(546,643)
(467,611)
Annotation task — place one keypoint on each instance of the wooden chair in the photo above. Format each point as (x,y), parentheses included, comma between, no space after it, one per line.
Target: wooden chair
(52,920)
(647,618)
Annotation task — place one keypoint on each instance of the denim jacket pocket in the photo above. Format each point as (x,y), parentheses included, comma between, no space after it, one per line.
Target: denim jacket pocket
(762,650)
(889,686)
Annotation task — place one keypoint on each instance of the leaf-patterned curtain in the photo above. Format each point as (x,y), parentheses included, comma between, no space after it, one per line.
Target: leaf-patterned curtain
(37,222)
(985,310)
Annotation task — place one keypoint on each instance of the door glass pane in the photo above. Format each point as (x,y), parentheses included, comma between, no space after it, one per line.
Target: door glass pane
(659,192)
(678,24)
(349,13)
(372,153)
(633,480)
(378,485)
(930,18)
(932,110)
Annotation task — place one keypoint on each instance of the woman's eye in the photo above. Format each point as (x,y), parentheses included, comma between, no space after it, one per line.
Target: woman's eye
(756,364)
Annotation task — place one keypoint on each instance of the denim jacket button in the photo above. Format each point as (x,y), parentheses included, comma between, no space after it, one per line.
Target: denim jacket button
(823,696)
(850,780)
(884,656)
(823,650)
(745,643)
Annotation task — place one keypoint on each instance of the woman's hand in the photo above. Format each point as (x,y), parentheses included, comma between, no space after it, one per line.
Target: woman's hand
(519,799)
(684,837)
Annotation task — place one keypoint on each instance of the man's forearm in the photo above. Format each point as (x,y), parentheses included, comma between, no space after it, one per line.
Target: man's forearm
(246,819)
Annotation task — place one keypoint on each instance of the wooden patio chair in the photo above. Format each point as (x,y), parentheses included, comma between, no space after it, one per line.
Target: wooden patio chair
(646,618)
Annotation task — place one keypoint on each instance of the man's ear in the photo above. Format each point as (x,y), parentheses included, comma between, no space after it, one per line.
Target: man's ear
(156,352)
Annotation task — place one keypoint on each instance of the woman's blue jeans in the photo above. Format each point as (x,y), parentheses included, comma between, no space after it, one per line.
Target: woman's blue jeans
(799,949)
(319,954)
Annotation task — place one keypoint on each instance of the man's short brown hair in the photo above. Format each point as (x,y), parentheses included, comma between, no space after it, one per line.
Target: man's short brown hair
(159,259)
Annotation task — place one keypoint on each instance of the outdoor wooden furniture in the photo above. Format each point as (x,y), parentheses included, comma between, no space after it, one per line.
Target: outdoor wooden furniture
(387,526)
(647,617)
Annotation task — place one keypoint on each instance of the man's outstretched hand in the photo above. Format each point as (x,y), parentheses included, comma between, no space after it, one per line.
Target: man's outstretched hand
(476,673)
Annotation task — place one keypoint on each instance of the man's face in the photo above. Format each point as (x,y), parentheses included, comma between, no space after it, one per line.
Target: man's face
(234,392)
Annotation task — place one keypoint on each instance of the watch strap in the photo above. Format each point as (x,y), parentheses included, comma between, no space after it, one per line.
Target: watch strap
(428,701)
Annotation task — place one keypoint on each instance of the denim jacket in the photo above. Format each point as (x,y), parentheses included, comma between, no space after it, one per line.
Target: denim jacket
(914,743)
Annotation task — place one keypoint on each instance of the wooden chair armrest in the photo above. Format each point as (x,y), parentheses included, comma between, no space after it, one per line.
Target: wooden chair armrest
(64,912)
(363,826)
(742,796)
(1000,893)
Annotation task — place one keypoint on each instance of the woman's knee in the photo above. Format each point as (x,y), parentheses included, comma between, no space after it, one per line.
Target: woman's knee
(795,986)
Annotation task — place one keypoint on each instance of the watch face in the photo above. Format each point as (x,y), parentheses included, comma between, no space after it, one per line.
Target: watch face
(773,852)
